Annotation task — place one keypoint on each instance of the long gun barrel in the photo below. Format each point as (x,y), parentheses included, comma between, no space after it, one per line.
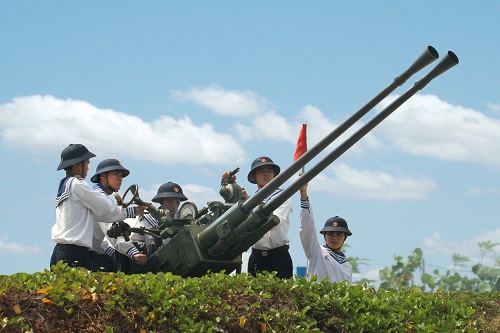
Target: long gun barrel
(426,57)
(446,63)
(239,212)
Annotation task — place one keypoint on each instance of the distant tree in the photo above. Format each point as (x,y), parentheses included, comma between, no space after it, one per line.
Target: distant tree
(355,261)
(497,261)
(486,246)
(459,261)
(401,274)
(488,276)
(449,282)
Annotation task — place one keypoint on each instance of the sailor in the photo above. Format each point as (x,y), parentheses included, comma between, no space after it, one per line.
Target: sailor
(324,261)
(169,196)
(77,205)
(271,252)
(108,180)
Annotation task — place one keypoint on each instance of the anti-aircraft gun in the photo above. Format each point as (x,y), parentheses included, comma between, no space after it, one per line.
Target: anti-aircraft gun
(214,238)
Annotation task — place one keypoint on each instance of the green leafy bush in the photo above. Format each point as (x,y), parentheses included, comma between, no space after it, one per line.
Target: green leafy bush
(68,299)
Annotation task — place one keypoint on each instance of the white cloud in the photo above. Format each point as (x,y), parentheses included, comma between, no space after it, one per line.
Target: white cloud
(493,107)
(224,102)
(373,274)
(7,247)
(435,244)
(366,184)
(271,126)
(200,195)
(477,190)
(42,123)
(268,126)
(427,127)
(321,126)
(431,127)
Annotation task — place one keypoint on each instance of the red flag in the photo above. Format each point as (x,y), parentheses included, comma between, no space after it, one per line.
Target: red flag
(301,147)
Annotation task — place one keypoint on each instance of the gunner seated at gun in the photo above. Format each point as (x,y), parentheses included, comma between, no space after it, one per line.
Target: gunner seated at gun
(169,196)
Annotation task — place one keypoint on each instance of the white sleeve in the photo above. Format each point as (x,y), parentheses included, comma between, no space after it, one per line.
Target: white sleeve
(99,204)
(117,215)
(307,232)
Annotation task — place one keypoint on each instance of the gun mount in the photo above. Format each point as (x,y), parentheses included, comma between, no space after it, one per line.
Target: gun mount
(214,238)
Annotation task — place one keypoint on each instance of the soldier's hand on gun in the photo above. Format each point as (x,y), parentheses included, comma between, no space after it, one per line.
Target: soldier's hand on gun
(141,210)
(141,258)
(119,199)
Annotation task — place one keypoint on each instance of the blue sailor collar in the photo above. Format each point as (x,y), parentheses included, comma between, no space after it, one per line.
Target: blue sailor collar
(99,187)
(64,189)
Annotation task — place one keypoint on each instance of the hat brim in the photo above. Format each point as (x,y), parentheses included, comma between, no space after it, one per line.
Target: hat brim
(160,196)
(336,229)
(95,178)
(68,163)
(251,177)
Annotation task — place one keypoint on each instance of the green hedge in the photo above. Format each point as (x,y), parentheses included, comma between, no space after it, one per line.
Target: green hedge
(71,299)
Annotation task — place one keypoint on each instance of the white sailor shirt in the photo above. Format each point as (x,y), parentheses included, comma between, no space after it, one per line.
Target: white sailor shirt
(321,260)
(76,210)
(107,244)
(278,235)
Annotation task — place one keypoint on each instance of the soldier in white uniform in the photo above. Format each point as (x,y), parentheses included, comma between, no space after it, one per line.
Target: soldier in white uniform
(169,196)
(108,178)
(325,261)
(270,253)
(77,205)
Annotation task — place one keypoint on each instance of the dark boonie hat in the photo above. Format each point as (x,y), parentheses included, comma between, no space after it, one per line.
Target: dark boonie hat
(169,190)
(261,161)
(110,164)
(336,224)
(73,154)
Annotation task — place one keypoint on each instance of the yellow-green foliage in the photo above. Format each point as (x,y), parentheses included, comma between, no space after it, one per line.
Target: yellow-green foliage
(71,299)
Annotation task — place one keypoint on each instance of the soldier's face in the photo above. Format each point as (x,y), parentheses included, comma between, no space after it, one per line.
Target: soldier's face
(85,168)
(335,240)
(114,178)
(172,204)
(263,175)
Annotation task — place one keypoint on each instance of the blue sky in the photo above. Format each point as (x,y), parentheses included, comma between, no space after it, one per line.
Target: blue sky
(183,91)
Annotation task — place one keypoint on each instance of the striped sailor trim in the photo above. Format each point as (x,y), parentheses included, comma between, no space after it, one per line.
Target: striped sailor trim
(130,212)
(339,257)
(64,190)
(151,220)
(305,204)
(110,251)
(276,191)
(132,252)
